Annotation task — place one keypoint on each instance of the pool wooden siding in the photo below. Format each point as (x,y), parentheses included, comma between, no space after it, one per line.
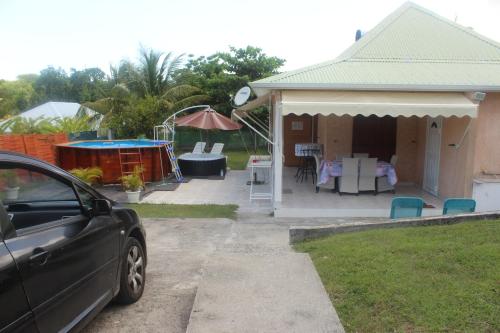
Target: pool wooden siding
(108,160)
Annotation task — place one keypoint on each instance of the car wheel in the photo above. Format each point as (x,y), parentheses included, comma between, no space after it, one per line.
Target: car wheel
(133,274)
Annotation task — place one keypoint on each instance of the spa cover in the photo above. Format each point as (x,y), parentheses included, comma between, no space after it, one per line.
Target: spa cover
(208,119)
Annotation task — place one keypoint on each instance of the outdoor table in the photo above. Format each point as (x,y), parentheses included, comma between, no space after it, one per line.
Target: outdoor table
(334,169)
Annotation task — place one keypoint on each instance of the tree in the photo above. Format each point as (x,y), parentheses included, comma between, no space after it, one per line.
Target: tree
(87,85)
(15,97)
(53,85)
(222,74)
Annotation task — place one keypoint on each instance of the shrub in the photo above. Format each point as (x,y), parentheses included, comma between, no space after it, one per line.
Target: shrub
(87,175)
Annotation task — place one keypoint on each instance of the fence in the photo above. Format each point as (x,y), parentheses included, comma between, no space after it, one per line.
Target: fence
(40,146)
(185,139)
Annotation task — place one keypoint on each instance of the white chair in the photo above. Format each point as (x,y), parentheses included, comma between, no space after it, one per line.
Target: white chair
(360,155)
(367,174)
(330,185)
(199,147)
(217,148)
(383,185)
(394,160)
(349,178)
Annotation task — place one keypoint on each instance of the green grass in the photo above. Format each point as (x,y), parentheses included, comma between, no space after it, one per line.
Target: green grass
(185,211)
(423,279)
(238,159)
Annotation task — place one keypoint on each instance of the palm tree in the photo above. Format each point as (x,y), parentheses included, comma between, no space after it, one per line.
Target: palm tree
(156,70)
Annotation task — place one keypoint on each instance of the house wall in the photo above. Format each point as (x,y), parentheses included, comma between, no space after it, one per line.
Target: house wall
(421,136)
(455,167)
(487,144)
(335,133)
(406,149)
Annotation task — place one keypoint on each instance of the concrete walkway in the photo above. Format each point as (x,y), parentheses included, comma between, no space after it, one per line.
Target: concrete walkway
(218,275)
(254,282)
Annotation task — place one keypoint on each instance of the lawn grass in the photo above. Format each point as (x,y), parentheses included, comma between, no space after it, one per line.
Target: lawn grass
(185,211)
(238,159)
(422,279)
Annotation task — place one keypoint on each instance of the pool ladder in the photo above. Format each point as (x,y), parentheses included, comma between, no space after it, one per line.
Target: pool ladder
(173,161)
(126,165)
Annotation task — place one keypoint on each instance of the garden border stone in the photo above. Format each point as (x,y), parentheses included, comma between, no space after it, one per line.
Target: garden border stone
(302,233)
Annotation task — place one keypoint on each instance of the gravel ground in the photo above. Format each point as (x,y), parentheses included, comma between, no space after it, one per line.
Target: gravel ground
(177,250)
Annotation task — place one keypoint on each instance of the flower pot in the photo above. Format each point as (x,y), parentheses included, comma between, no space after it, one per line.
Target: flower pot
(133,196)
(12,193)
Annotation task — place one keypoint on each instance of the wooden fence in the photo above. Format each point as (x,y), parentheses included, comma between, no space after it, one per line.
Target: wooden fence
(40,146)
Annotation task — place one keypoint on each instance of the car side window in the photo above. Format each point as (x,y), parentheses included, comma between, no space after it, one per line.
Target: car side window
(85,197)
(33,198)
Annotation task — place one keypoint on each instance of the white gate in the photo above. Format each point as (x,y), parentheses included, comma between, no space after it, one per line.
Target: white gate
(432,155)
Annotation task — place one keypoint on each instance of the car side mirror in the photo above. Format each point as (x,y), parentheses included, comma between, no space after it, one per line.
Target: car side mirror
(101,207)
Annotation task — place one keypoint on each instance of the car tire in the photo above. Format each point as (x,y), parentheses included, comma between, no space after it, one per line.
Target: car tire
(133,273)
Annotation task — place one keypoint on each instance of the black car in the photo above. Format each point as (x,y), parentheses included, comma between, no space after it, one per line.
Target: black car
(65,249)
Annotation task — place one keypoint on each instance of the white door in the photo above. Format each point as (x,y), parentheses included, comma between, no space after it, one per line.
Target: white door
(432,153)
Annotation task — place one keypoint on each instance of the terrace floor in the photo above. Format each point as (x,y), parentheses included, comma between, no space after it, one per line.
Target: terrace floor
(299,199)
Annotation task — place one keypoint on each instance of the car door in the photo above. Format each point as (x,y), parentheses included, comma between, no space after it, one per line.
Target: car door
(17,316)
(67,259)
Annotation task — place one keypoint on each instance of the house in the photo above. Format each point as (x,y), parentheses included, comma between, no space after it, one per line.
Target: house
(418,86)
(56,110)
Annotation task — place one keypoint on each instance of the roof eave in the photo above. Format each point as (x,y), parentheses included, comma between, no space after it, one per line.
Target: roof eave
(264,88)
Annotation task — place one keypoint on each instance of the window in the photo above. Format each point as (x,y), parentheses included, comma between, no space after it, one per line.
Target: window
(32,198)
(23,185)
(85,197)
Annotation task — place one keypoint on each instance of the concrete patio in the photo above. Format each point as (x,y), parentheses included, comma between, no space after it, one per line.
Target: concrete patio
(299,199)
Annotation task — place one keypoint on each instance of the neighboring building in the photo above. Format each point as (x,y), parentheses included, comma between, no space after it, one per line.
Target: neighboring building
(56,109)
(413,86)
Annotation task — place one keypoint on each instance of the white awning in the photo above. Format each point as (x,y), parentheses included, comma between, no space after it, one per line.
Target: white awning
(379,103)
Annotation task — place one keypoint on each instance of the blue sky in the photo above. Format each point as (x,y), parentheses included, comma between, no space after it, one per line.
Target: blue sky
(78,33)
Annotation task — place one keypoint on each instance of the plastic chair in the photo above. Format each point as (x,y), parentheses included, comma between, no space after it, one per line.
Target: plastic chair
(217,148)
(199,147)
(367,174)
(350,174)
(330,185)
(394,160)
(406,207)
(458,206)
(360,155)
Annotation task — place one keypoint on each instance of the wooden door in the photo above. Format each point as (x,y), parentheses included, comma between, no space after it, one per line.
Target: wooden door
(296,129)
(374,135)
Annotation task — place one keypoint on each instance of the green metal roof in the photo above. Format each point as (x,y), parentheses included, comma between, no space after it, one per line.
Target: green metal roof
(411,49)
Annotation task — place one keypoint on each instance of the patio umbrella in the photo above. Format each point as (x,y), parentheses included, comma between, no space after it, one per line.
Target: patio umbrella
(208,119)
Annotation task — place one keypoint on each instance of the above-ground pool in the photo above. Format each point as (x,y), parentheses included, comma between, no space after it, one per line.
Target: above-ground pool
(202,164)
(105,154)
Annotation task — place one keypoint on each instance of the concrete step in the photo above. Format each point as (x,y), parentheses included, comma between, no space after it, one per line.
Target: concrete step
(278,292)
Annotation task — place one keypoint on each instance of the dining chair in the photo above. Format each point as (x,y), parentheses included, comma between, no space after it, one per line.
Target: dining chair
(330,185)
(367,174)
(394,160)
(349,177)
(360,155)
(382,185)
(458,206)
(406,207)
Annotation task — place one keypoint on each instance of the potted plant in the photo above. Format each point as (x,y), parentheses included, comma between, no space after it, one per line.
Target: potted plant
(87,175)
(133,185)
(12,184)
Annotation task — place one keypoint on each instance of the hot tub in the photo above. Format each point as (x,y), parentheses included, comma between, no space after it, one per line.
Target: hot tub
(105,154)
(202,164)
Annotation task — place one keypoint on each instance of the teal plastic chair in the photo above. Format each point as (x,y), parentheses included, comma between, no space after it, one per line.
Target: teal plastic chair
(406,207)
(459,206)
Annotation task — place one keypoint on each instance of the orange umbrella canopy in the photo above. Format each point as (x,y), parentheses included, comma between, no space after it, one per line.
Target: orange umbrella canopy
(208,119)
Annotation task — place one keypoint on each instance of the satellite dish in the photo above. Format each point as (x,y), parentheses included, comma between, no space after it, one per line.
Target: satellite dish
(242,96)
